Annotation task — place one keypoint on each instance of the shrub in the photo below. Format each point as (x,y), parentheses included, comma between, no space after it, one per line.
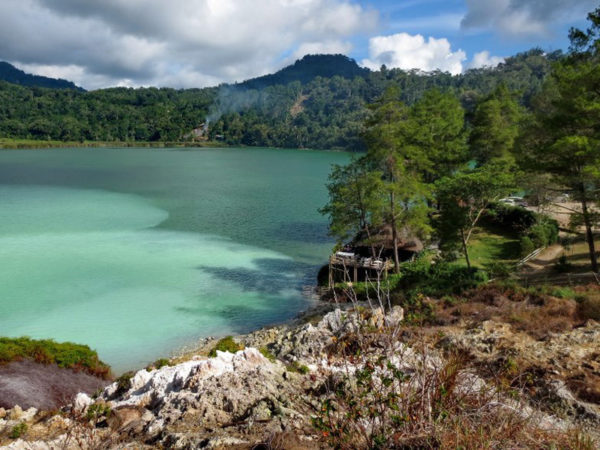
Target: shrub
(527,245)
(509,217)
(543,233)
(297,368)
(563,292)
(498,269)
(98,410)
(123,383)
(267,354)
(18,431)
(437,280)
(162,362)
(65,355)
(227,344)
(590,308)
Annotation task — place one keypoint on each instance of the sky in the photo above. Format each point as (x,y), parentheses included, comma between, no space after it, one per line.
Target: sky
(199,43)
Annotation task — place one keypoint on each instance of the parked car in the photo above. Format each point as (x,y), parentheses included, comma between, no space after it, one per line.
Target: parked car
(514,201)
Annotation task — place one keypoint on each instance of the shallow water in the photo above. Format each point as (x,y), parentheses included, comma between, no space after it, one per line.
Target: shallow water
(137,252)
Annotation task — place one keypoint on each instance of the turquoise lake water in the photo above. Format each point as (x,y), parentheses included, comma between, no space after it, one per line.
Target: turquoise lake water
(138,252)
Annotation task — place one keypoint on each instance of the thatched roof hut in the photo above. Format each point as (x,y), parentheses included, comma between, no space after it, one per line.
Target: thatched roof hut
(382,241)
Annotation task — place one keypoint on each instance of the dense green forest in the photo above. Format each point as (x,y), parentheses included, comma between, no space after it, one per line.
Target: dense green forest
(436,170)
(319,102)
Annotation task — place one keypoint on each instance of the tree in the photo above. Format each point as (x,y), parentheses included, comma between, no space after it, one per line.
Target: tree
(464,197)
(435,134)
(562,137)
(495,126)
(389,149)
(355,200)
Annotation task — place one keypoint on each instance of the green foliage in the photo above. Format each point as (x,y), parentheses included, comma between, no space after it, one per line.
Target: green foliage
(508,217)
(162,362)
(544,233)
(563,292)
(227,344)
(295,367)
(124,383)
(463,199)
(495,125)
(18,431)
(498,269)
(527,246)
(267,354)
(65,355)
(355,200)
(562,137)
(98,410)
(436,280)
(317,103)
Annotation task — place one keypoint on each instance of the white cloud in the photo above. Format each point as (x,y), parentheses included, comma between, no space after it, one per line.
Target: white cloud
(181,43)
(405,51)
(483,59)
(519,18)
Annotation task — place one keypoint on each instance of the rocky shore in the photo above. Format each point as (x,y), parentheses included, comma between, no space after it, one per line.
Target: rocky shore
(274,392)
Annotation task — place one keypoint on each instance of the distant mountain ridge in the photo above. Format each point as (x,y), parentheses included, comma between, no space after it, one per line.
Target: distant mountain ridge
(11,74)
(307,69)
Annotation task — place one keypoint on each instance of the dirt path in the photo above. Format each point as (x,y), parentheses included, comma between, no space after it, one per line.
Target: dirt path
(541,262)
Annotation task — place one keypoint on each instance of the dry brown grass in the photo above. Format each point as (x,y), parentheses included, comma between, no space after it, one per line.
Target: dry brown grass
(534,313)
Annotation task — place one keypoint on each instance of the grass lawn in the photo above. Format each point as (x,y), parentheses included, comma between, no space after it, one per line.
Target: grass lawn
(487,246)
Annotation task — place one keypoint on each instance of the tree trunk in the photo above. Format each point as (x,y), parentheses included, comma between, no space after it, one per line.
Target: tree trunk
(465,248)
(394,233)
(589,234)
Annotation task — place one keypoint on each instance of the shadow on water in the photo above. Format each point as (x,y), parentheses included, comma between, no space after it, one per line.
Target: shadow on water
(271,276)
(273,279)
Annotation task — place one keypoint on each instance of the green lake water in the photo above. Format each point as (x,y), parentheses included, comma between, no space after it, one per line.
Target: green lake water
(138,252)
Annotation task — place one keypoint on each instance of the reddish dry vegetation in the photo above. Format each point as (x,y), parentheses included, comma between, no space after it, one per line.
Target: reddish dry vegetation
(42,386)
(531,311)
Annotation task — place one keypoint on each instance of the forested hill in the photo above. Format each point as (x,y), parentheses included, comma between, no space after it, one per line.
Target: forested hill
(11,74)
(307,69)
(299,107)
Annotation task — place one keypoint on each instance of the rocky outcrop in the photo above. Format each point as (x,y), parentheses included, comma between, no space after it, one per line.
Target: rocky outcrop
(240,400)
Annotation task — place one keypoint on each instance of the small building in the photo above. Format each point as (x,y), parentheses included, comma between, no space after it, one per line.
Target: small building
(372,255)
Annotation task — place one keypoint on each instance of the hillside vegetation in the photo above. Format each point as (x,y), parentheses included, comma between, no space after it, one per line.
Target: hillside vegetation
(319,102)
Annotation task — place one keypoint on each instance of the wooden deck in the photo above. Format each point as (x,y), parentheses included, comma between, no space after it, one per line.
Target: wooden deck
(347,264)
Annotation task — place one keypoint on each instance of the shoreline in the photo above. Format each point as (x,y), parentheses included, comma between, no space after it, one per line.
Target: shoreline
(26,144)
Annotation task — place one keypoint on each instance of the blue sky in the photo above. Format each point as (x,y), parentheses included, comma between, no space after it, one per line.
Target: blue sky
(442,19)
(196,43)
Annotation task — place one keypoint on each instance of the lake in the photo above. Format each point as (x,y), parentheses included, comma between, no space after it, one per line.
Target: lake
(138,252)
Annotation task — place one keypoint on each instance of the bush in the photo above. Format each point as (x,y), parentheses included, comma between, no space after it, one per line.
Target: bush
(509,217)
(267,354)
(590,308)
(227,344)
(437,280)
(18,431)
(297,368)
(66,355)
(98,410)
(159,363)
(498,269)
(543,234)
(527,245)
